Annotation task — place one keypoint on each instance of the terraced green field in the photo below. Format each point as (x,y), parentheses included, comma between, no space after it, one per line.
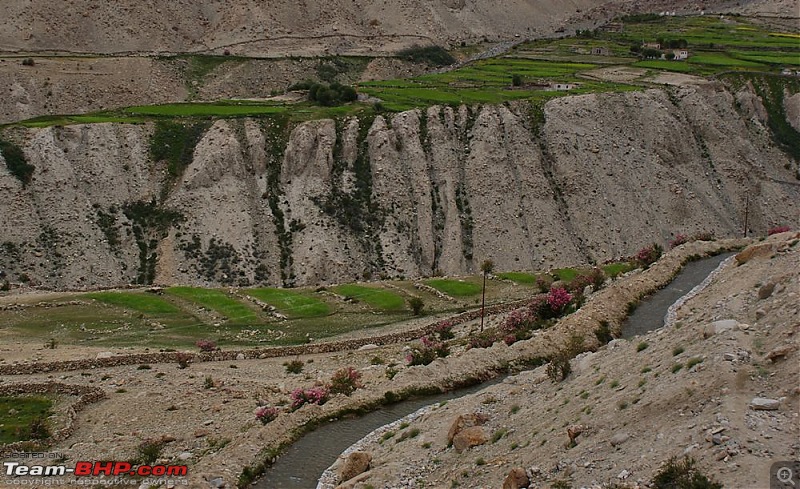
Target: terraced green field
(27,422)
(292,304)
(456,288)
(376,297)
(218,301)
(716,45)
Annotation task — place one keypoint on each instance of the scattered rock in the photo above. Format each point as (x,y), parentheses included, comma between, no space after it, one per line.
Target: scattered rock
(468,438)
(718,327)
(516,479)
(217,482)
(623,475)
(765,291)
(780,352)
(573,432)
(369,346)
(464,421)
(184,456)
(104,354)
(357,463)
(764,404)
(619,439)
(240,356)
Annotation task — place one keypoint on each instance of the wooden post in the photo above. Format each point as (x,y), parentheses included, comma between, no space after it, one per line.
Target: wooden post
(746,211)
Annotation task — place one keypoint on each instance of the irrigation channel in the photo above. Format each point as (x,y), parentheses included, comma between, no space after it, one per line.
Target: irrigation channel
(302,464)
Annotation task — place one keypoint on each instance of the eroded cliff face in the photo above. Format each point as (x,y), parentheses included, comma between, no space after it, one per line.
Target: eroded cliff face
(408,194)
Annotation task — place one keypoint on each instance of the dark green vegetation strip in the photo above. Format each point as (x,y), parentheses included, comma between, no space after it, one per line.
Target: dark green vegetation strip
(379,298)
(290,303)
(23,418)
(772,91)
(140,302)
(16,162)
(216,300)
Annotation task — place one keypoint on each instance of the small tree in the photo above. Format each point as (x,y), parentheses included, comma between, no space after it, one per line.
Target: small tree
(486,268)
(417,305)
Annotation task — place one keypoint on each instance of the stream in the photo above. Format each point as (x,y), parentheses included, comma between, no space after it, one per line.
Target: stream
(302,464)
(649,315)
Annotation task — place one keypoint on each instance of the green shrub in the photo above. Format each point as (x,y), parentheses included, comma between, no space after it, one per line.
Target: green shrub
(294,366)
(417,305)
(431,55)
(174,143)
(682,474)
(642,346)
(148,451)
(693,361)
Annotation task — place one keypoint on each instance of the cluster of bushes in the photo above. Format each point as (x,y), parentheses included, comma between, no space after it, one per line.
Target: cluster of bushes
(344,381)
(430,55)
(327,95)
(648,255)
(430,350)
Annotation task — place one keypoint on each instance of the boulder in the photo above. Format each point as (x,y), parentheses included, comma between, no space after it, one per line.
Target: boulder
(356,463)
(780,352)
(718,327)
(764,404)
(516,479)
(465,421)
(765,291)
(469,437)
(619,439)
(104,354)
(755,251)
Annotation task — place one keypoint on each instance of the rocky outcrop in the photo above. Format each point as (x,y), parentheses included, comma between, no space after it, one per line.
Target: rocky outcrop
(405,195)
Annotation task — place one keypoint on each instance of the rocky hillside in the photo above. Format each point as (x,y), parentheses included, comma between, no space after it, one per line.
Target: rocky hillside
(236,202)
(254,28)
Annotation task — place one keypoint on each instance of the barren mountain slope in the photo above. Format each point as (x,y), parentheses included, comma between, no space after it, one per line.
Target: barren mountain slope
(684,390)
(258,28)
(406,195)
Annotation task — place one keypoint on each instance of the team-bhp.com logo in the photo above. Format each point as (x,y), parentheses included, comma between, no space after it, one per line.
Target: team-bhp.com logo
(85,469)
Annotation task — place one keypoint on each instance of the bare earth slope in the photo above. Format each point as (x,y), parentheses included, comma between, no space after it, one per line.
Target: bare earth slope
(635,408)
(256,28)
(604,175)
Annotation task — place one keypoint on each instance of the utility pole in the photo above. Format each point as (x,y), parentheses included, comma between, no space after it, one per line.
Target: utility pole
(486,268)
(746,211)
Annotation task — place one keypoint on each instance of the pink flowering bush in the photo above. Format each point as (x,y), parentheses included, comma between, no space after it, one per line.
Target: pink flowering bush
(482,340)
(558,299)
(779,229)
(314,395)
(679,240)
(444,329)
(345,381)
(206,345)
(648,255)
(266,414)
(431,348)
